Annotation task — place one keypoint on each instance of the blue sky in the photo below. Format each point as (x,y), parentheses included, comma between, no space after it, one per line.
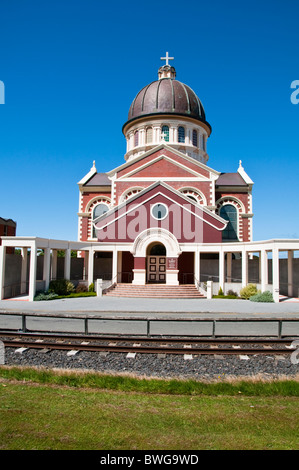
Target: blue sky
(72,68)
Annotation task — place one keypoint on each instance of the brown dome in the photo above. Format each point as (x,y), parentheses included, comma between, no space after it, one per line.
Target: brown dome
(167,96)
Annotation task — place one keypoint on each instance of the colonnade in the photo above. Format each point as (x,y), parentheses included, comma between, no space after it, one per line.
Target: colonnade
(270,248)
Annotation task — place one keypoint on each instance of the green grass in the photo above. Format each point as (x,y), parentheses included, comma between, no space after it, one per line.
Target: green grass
(43,409)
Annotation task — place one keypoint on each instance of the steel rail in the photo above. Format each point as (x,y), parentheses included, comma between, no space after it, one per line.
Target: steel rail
(139,349)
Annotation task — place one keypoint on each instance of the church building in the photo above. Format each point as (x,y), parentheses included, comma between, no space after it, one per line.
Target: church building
(165,199)
(164,222)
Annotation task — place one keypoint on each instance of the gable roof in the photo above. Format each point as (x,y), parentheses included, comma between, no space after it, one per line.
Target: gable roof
(156,149)
(98,179)
(230,179)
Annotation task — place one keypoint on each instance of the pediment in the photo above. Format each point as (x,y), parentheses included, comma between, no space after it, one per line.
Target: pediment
(126,221)
(188,166)
(163,166)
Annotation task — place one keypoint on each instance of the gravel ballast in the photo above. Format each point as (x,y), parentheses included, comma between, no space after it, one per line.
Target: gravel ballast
(202,367)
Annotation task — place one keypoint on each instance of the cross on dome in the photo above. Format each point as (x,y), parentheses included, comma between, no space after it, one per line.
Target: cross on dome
(167,58)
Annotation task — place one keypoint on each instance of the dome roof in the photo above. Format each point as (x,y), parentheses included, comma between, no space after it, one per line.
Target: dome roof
(167,96)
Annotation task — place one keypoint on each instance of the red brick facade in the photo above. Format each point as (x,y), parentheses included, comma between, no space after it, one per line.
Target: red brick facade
(181,173)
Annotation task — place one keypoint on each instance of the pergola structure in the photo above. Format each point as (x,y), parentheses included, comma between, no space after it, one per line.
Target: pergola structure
(50,247)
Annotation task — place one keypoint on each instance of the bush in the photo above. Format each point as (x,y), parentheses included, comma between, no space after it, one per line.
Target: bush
(220,292)
(91,287)
(61,287)
(46,296)
(248,291)
(231,292)
(262,297)
(74,295)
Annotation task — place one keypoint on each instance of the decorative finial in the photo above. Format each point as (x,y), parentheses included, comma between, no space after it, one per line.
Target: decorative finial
(167,58)
(240,164)
(94,165)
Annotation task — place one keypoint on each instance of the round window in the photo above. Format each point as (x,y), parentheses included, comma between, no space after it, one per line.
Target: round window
(159,211)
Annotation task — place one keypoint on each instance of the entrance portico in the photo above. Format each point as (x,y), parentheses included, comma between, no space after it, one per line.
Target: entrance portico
(166,272)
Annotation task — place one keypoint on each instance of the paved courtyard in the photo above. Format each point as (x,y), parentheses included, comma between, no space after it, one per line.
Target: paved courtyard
(175,307)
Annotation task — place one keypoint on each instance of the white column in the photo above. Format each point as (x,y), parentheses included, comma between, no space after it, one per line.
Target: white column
(2,270)
(46,269)
(24,253)
(114,266)
(221,270)
(290,273)
(67,264)
(264,270)
(32,273)
(275,274)
(90,265)
(172,135)
(244,268)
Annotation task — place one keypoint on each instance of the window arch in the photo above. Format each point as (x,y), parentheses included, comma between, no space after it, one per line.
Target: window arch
(194,138)
(165,131)
(195,195)
(129,193)
(98,210)
(230,213)
(181,134)
(136,138)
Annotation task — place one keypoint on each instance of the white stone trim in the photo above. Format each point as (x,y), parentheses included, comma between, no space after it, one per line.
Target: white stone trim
(159,235)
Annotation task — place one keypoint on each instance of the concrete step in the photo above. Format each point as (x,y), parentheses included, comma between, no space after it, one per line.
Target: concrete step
(187,291)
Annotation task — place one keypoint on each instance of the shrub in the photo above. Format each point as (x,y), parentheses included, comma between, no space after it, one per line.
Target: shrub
(77,294)
(262,297)
(46,296)
(220,292)
(91,287)
(61,287)
(231,292)
(248,291)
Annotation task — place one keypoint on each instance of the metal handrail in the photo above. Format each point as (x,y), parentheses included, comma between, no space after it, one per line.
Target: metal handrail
(149,321)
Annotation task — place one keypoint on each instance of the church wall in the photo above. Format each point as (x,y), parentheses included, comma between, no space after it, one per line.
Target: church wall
(244,224)
(186,227)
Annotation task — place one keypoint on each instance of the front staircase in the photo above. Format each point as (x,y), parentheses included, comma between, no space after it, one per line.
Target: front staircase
(159,291)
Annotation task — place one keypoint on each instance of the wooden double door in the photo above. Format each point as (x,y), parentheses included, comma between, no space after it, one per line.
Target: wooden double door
(156,269)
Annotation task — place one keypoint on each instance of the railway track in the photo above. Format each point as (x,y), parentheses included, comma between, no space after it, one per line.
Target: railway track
(141,345)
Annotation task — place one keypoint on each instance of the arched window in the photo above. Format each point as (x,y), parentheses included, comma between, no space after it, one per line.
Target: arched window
(136,139)
(99,210)
(181,134)
(165,131)
(229,212)
(158,250)
(149,135)
(204,145)
(194,138)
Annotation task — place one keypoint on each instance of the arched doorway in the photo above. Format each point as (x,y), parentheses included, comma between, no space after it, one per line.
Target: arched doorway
(156,263)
